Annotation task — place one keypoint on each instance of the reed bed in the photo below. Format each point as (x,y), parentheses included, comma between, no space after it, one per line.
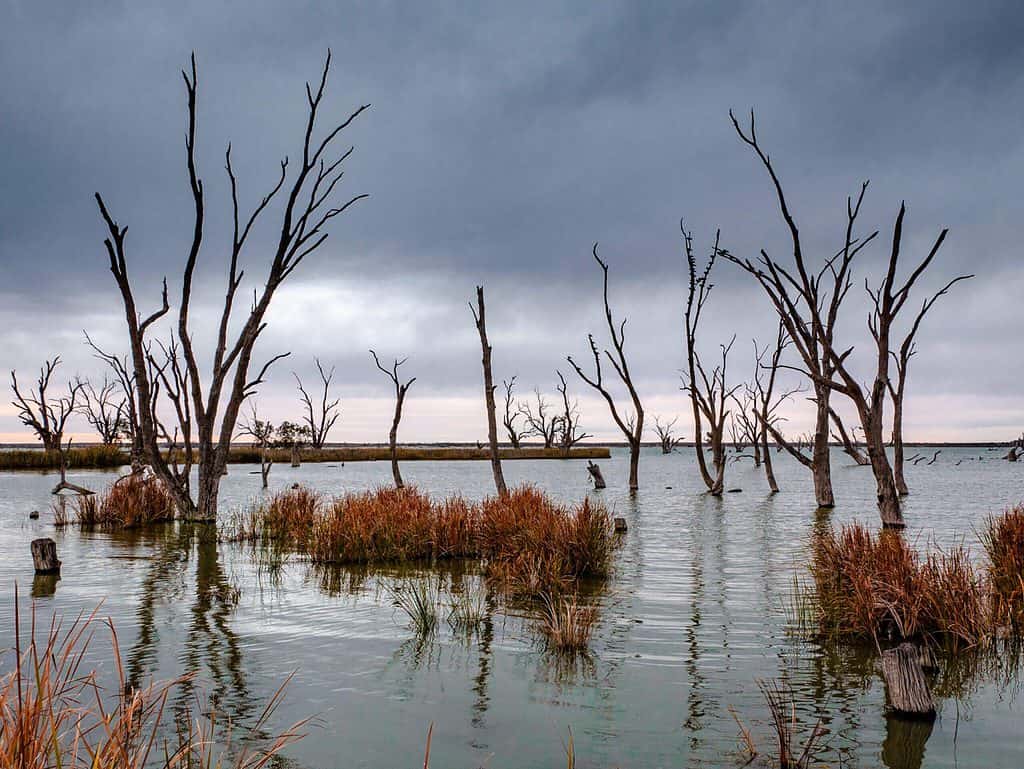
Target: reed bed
(132,501)
(54,713)
(1003,540)
(525,541)
(102,456)
(879,588)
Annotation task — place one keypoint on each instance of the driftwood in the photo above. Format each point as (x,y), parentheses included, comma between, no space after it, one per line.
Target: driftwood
(44,556)
(905,683)
(595,473)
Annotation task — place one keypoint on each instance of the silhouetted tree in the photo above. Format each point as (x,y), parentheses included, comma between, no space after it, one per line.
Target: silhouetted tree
(666,438)
(307,211)
(515,435)
(46,415)
(632,426)
(480,318)
(319,417)
(400,391)
(104,409)
(539,420)
(568,424)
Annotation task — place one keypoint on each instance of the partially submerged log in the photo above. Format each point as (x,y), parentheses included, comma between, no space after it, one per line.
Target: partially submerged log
(595,473)
(905,683)
(44,556)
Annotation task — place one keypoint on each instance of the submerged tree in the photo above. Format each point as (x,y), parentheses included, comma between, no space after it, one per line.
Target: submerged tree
(512,413)
(766,402)
(46,415)
(104,409)
(632,426)
(708,393)
(401,388)
(125,376)
(568,423)
(320,416)
(810,320)
(480,318)
(666,438)
(539,420)
(308,209)
(262,434)
(901,358)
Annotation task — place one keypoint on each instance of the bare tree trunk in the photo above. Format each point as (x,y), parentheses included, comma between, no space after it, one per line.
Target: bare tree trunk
(821,464)
(400,392)
(897,447)
(492,419)
(769,470)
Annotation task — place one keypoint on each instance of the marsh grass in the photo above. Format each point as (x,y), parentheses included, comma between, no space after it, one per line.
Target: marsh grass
(419,600)
(567,623)
(132,501)
(101,456)
(525,542)
(1003,540)
(879,588)
(55,713)
(467,609)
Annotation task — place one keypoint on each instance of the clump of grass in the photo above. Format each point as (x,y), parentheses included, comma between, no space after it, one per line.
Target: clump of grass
(567,623)
(54,714)
(1003,540)
(468,608)
(791,753)
(418,599)
(132,501)
(535,546)
(878,588)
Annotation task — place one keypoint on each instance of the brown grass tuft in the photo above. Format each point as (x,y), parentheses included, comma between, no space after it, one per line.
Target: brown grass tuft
(132,501)
(1003,539)
(566,623)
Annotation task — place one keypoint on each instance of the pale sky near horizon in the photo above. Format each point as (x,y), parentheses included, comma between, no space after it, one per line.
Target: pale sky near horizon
(503,141)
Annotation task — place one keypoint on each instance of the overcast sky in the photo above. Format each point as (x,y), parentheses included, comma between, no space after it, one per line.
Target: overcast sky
(503,141)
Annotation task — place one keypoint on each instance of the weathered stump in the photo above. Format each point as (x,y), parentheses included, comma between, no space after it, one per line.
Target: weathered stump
(905,682)
(620,525)
(595,473)
(44,556)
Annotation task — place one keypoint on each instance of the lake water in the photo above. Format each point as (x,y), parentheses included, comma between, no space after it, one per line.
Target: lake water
(692,617)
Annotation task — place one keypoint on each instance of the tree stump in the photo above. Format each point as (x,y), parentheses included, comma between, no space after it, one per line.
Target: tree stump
(905,682)
(620,525)
(44,556)
(595,473)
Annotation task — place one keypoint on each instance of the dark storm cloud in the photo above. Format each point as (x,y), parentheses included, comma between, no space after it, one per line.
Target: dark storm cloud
(504,139)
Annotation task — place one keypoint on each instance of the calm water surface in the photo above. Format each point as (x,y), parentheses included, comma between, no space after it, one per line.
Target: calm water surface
(693,616)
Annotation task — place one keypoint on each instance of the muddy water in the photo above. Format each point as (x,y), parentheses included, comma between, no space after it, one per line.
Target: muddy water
(694,615)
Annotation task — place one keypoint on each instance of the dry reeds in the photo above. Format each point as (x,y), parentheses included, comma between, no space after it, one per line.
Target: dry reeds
(879,588)
(134,500)
(55,714)
(527,542)
(567,623)
(102,456)
(1003,540)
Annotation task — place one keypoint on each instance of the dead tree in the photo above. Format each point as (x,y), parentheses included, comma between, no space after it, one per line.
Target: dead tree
(810,319)
(569,432)
(767,402)
(540,422)
(901,359)
(104,409)
(808,303)
(125,376)
(262,434)
(745,423)
(480,319)
(515,435)
(708,392)
(46,415)
(309,208)
(848,440)
(633,426)
(666,438)
(400,391)
(319,417)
